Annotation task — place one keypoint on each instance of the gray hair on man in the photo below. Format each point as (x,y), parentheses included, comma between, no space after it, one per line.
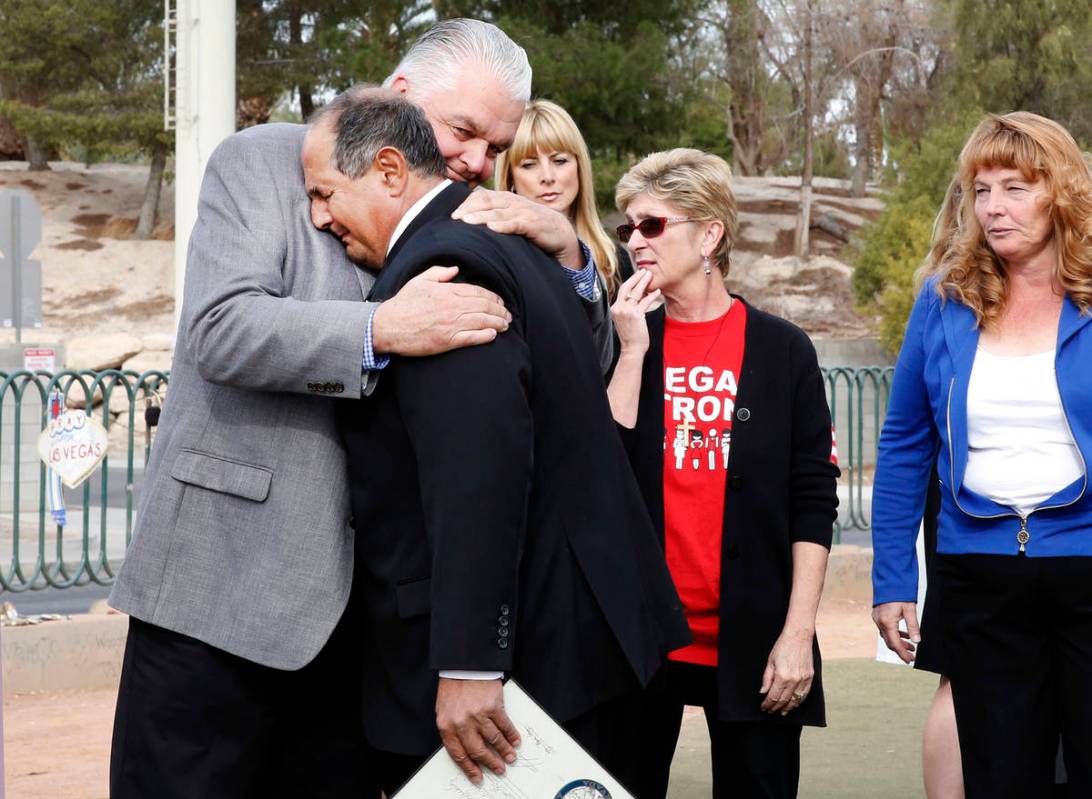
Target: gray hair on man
(434,60)
(366,119)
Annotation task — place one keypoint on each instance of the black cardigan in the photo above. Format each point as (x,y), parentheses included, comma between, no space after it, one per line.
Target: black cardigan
(781,489)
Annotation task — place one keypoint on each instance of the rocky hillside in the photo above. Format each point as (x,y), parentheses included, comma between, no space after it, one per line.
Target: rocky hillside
(815,294)
(95,280)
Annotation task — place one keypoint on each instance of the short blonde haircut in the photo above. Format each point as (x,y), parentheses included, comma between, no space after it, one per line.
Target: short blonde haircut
(547,127)
(698,184)
(1040,149)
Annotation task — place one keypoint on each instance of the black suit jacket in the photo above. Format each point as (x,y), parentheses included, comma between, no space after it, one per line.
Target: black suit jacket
(504,530)
(781,489)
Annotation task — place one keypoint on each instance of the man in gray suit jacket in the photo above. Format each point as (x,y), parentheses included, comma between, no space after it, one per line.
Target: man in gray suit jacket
(241,674)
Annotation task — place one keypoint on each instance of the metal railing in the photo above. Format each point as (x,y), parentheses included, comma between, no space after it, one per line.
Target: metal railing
(36,552)
(858,403)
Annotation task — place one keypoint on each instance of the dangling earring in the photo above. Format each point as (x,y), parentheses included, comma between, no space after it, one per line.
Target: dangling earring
(708,267)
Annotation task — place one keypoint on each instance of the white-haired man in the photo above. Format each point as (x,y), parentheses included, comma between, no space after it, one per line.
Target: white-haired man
(241,672)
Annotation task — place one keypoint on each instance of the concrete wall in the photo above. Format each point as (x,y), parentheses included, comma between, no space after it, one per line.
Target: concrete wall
(80,653)
(852,352)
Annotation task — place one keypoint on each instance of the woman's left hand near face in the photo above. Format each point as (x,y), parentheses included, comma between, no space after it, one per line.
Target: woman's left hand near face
(789,672)
(628,312)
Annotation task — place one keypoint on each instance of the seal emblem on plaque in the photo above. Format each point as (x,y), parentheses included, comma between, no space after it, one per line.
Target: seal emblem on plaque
(583,789)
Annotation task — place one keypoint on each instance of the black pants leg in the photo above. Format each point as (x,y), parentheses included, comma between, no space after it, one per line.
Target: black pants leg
(1018,634)
(192,720)
(751,760)
(394,769)
(610,733)
(661,721)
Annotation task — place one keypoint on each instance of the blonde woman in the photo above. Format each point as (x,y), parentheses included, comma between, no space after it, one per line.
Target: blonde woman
(724,414)
(548,162)
(994,379)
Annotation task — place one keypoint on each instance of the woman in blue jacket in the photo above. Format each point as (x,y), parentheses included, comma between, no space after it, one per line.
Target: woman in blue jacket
(994,380)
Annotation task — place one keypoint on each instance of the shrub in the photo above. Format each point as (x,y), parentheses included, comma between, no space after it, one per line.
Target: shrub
(896,244)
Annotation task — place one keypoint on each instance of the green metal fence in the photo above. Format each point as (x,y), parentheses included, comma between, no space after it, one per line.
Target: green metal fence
(858,402)
(35,552)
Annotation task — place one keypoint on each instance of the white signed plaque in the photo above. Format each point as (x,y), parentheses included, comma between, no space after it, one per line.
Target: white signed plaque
(551,765)
(72,445)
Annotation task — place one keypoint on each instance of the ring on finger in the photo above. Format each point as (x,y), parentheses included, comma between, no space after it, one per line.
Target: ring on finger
(799,696)
(494,739)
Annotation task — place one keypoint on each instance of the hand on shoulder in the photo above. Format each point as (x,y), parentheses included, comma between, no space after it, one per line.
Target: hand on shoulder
(506,212)
(431,314)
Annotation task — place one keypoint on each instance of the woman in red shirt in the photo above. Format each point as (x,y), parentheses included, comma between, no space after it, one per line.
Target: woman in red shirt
(725,417)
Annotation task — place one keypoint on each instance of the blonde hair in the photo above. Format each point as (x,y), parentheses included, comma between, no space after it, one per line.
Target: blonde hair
(946,228)
(1040,149)
(696,183)
(547,127)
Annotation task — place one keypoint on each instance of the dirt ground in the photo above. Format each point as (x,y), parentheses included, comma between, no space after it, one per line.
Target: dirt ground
(58,744)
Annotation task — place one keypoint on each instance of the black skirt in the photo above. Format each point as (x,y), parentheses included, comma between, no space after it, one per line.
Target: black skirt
(930,653)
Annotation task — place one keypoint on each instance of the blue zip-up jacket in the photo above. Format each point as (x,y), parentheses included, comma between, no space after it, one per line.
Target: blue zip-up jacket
(927,417)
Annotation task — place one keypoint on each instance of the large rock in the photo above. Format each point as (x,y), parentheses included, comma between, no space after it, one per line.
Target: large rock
(107,351)
(158,341)
(142,362)
(118,436)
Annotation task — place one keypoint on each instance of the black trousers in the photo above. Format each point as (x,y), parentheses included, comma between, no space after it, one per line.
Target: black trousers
(194,721)
(751,759)
(609,733)
(1018,633)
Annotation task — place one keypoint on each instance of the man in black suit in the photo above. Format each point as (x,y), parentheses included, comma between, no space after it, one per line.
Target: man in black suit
(499,464)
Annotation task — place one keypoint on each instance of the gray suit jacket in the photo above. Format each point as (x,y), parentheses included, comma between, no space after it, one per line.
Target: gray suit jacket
(243,536)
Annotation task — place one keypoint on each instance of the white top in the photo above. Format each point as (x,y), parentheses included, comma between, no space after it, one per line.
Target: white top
(1020,450)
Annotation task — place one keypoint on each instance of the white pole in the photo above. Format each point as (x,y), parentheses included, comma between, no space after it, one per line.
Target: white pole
(205,110)
(1,715)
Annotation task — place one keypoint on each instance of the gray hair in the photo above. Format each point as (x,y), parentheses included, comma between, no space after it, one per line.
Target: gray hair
(366,119)
(433,61)
(328,114)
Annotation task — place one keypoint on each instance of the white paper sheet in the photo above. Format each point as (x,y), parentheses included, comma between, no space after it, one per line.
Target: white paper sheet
(550,765)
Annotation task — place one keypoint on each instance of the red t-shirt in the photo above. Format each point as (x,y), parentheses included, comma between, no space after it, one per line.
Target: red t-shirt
(701,370)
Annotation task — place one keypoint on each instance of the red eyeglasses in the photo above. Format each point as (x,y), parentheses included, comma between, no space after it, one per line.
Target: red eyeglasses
(650,228)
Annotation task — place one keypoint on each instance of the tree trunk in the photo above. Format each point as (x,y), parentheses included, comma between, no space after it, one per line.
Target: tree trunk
(863,146)
(37,156)
(803,224)
(150,207)
(871,78)
(295,37)
(747,112)
(307,102)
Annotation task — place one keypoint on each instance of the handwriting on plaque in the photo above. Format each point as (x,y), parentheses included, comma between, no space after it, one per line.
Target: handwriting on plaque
(73,445)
